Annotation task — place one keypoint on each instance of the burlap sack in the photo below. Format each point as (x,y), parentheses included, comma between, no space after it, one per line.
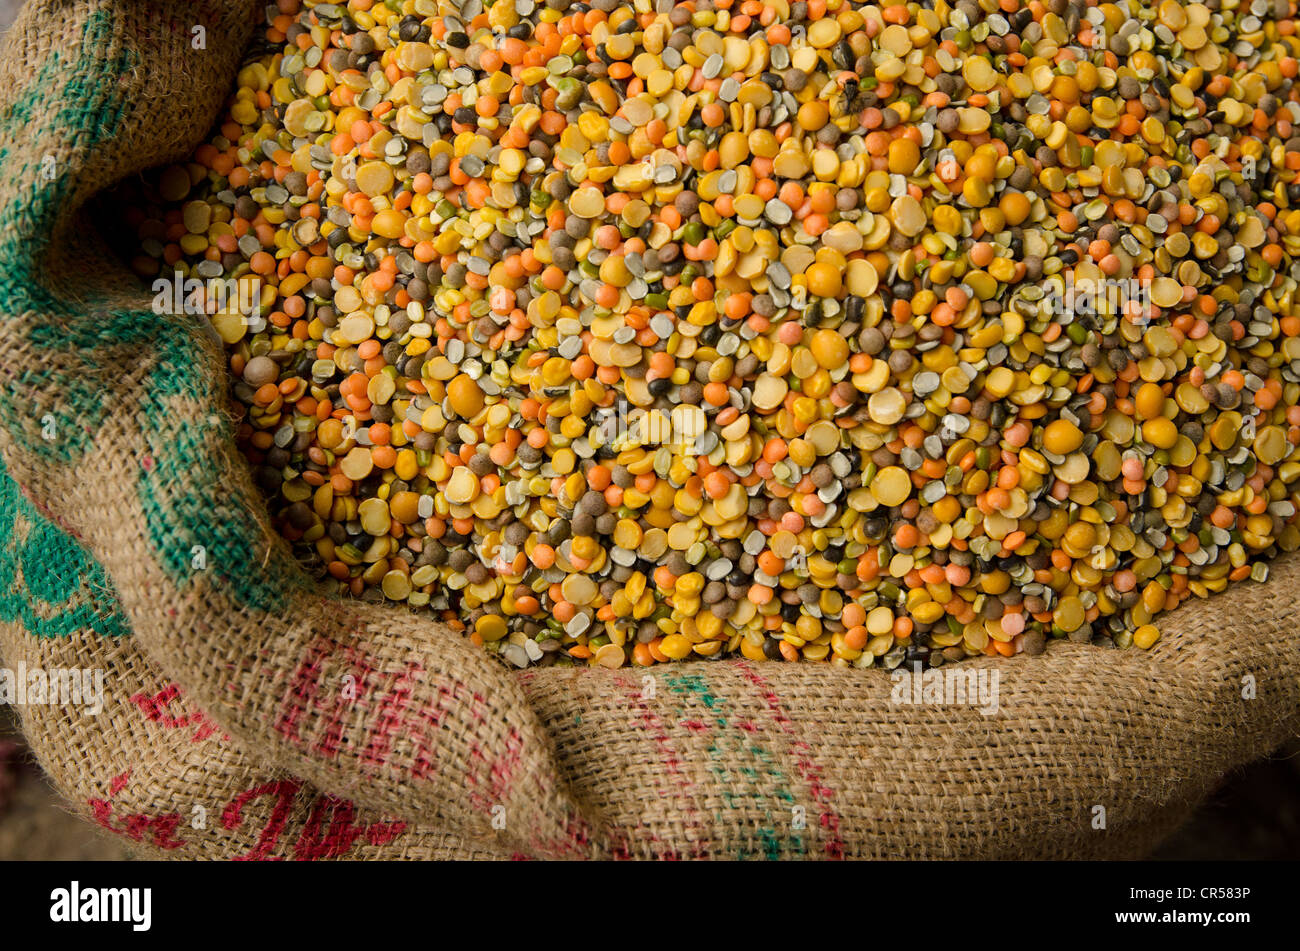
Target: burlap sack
(249,716)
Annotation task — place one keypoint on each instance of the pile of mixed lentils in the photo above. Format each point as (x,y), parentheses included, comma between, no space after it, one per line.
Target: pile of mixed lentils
(624,333)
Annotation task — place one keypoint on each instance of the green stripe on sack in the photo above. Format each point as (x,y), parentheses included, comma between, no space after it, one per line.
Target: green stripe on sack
(728,741)
(188,524)
(82,104)
(185,521)
(86,103)
(63,589)
(86,109)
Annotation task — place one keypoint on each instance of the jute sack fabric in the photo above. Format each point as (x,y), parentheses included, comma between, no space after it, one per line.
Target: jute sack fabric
(247,715)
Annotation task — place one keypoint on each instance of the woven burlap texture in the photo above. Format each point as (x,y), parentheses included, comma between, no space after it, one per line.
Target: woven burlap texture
(711,759)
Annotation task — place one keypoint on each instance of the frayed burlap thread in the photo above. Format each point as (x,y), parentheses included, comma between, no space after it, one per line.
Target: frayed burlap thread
(114,421)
